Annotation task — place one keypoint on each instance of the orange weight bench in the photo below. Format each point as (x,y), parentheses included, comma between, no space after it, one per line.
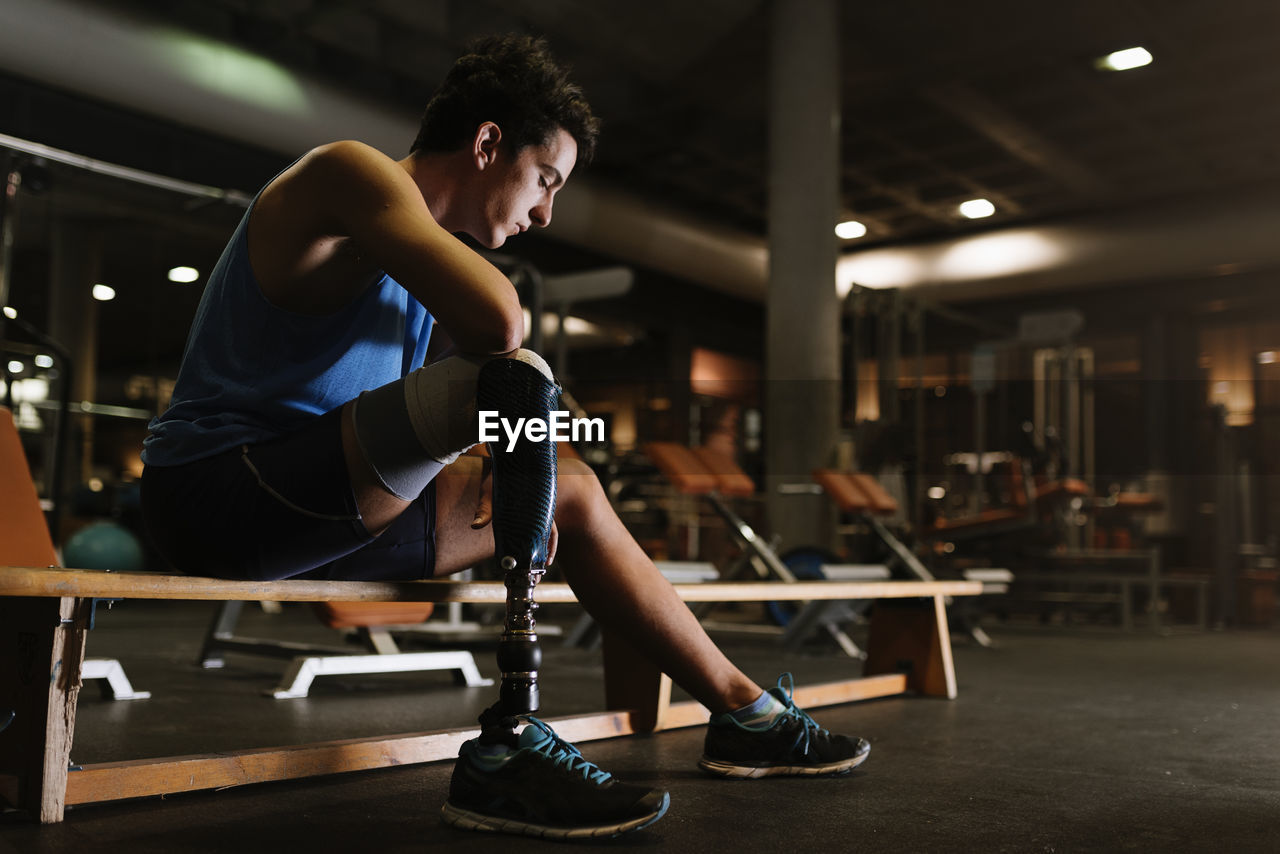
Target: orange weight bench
(25,541)
(862,495)
(705,472)
(1026,500)
(714,476)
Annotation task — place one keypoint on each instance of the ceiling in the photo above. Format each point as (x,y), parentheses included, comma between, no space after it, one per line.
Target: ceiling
(942,101)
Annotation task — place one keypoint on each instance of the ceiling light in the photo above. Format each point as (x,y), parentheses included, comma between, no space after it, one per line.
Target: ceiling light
(103,293)
(15,367)
(10,312)
(43,361)
(1123,60)
(850,229)
(184,274)
(977,208)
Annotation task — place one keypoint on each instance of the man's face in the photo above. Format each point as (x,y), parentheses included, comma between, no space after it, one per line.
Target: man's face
(518,190)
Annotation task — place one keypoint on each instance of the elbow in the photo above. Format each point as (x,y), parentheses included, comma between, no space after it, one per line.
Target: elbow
(509,327)
(502,331)
(511,331)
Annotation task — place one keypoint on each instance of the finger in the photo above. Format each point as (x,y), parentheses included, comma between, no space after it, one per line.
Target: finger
(484,512)
(484,504)
(553,540)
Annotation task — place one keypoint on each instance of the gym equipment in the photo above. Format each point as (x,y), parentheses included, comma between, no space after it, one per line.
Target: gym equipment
(862,495)
(9,205)
(981,521)
(372,623)
(115,684)
(28,171)
(800,622)
(713,476)
(888,326)
(104,545)
(25,540)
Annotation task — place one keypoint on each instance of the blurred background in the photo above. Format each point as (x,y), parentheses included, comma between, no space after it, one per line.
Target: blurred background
(1041,310)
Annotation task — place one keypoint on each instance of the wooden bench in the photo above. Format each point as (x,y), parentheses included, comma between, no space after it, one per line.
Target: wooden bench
(45,614)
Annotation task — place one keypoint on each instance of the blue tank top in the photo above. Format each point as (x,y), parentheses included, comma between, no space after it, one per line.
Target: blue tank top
(252,371)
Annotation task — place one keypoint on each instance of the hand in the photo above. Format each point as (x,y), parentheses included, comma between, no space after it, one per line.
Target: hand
(484,509)
(484,505)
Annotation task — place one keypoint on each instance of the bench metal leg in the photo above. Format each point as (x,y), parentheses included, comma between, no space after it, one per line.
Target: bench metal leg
(979,634)
(118,686)
(827,615)
(41,650)
(222,627)
(304,669)
(911,636)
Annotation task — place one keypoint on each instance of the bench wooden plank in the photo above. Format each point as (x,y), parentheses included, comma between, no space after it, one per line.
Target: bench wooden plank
(88,583)
(919,645)
(109,781)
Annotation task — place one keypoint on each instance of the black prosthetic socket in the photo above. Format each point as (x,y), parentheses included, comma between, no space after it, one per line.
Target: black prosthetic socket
(524,500)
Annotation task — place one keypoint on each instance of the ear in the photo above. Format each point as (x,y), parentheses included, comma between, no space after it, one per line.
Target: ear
(484,146)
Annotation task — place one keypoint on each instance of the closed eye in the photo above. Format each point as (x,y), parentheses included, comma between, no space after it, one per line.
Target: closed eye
(550,177)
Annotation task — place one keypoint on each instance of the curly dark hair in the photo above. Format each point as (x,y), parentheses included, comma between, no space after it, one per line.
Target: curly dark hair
(514,82)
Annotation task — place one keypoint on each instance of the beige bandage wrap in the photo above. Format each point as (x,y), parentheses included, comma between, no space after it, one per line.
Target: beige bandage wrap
(441,400)
(436,406)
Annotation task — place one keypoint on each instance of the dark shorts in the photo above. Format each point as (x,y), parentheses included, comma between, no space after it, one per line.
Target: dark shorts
(281,509)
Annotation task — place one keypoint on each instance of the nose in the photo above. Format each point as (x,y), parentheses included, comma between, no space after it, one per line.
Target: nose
(541,214)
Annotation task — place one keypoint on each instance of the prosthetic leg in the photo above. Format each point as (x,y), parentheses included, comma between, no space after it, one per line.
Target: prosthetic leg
(524,500)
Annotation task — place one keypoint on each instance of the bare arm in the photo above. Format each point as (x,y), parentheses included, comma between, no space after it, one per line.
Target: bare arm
(348,189)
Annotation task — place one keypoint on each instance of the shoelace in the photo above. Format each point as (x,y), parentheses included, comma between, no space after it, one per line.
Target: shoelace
(563,753)
(809,726)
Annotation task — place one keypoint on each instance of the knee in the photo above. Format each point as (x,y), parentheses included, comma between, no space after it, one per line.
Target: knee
(529,357)
(578,493)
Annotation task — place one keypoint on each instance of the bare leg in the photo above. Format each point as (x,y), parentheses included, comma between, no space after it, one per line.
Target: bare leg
(612,577)
(378,508)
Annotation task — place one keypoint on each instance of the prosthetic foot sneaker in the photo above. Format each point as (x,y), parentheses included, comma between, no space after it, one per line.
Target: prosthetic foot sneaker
(792,745)
(545,788)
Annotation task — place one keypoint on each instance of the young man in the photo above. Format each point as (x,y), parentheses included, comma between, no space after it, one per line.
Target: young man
(305,439)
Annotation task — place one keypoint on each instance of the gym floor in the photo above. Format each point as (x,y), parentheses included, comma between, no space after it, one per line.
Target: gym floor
(1062,739)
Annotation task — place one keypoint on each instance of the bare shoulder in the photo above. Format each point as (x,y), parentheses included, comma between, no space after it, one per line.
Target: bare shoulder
(348,158)
(301,224)
(338,174)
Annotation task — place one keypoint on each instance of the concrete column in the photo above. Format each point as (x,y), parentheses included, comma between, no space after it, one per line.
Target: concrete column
(802,316)
(73,322)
